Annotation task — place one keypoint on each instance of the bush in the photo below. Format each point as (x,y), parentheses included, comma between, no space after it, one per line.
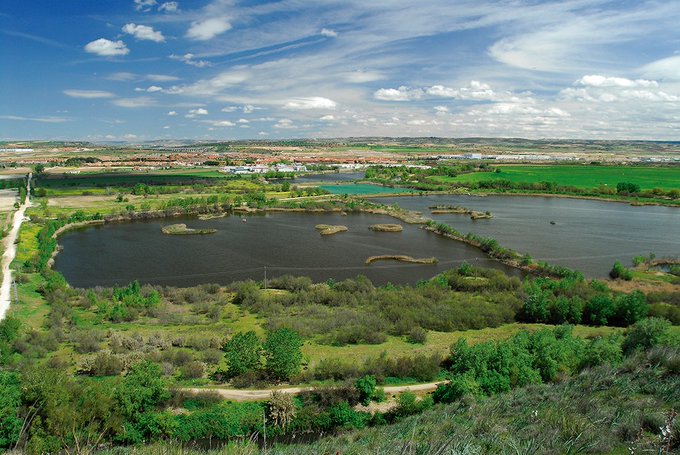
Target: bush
(620,272)
(366,388)
(417,335)
(192,370)
(645,334)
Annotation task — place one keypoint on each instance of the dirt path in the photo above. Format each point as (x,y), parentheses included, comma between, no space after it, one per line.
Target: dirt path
(264,394)
(10,252)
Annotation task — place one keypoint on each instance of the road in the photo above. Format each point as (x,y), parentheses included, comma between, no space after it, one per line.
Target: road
(11,251)
(264,394)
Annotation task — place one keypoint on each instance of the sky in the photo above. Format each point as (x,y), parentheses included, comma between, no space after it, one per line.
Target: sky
(138,70)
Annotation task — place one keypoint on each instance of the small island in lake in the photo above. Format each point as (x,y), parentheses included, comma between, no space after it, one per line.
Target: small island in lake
(386,227)
(402,258)
(182,229)
(327,229)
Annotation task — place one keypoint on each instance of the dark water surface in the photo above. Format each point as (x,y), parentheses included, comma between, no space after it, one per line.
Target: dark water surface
(284,242)
(587,235)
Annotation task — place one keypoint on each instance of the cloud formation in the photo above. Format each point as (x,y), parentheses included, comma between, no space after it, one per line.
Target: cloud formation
(208,28)
(143,32)
(314,102)
(88,94)
(106,48)
(190,59)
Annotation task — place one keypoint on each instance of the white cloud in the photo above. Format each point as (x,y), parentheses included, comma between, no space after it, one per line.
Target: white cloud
(474,91)
(327,118)
(142,101)
(441,110)
(172,113)
(314,102)
(106,48)
(169,7)
(248,109)
(328,33)
(189,60)
(402,93)
(35,119)
(89,94)
(596,80)
(121,76)
(130,136)
(360,77)
(229,109)
(208,29)
(154,88)
(666,68)
(242,120)
(193,113)
(144,5)
(143,32)
(285,123)
(160,78)
(222,123)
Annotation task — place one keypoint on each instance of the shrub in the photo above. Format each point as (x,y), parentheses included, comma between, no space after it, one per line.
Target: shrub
(645,334)
(192,370)
(417,335)
(366,388)
(620,272)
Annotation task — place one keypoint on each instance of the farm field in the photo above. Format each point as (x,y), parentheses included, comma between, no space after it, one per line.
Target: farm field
(667,178)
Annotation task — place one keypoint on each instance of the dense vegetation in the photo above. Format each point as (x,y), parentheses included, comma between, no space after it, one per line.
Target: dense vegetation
(47,410)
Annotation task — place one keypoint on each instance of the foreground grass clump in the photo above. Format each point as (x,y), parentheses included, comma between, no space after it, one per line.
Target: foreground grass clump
(182,229)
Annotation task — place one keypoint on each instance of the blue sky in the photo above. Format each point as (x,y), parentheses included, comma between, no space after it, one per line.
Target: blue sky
(225,69)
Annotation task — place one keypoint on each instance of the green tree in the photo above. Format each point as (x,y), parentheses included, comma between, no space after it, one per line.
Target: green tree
(366,388)
(243,353)
(10,401)
(630,308)
(645,334)
(283,353)
(142,389)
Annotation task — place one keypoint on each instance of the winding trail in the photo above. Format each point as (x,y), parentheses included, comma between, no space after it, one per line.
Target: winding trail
(11,251)
(265,394)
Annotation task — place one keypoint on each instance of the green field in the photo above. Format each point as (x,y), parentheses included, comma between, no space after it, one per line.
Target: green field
(666,178)
(362,189)
(129,179)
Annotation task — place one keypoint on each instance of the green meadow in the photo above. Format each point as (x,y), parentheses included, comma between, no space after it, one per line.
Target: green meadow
(580,176)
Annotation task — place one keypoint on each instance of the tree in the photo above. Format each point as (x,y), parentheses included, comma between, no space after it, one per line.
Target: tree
(283,353)
(630,308)
(243,353)
(142,389)
(645,334)
(366,388)
(39,168)
(10,401)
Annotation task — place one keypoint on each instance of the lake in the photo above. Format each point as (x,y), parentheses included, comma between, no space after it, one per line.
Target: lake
(287,243)
(588,235)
